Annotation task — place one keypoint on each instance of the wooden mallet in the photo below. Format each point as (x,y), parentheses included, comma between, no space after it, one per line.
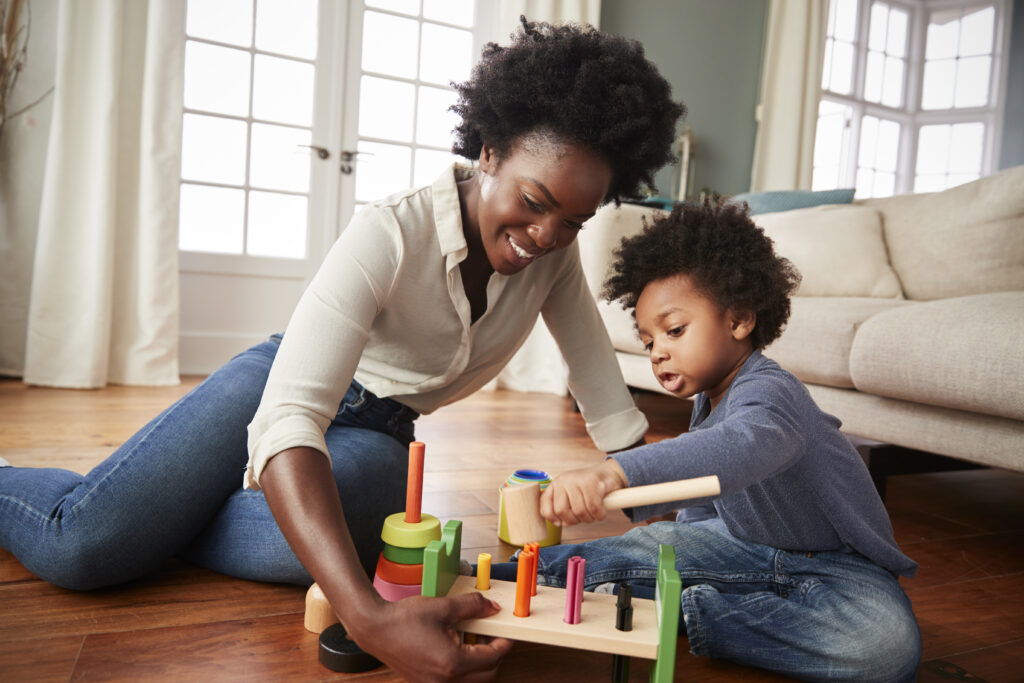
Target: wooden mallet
(522,503)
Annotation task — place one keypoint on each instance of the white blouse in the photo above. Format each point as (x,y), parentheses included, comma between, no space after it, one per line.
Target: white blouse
(388,307)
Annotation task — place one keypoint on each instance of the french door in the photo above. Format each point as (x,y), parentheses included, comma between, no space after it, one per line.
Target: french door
(296,113)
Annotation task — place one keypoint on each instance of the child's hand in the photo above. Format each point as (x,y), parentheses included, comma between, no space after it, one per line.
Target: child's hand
(577,495)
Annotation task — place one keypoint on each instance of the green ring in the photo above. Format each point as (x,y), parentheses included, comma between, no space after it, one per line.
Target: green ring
(405,535)
(403,555)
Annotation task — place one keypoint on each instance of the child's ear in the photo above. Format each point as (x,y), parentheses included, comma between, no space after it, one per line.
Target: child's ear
(743,323)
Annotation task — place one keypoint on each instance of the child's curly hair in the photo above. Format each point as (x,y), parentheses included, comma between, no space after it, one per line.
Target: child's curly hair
(727,258)
(577,84)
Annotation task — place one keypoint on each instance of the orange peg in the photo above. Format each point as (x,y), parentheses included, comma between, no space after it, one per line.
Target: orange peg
(523,575)
(535,549)
(414,485)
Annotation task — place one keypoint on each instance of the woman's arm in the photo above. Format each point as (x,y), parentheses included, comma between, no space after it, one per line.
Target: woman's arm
(416,636)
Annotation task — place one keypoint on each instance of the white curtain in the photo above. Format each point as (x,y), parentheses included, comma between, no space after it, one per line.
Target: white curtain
(790,90)
(104,300)
(538,365)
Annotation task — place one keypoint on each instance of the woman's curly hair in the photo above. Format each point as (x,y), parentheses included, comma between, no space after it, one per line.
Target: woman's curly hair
(577,84)
(727,258)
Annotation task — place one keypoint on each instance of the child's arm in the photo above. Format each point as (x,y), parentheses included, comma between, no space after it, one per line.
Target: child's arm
(577,495)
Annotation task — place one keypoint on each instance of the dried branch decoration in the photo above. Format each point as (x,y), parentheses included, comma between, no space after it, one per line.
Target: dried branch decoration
(13,51)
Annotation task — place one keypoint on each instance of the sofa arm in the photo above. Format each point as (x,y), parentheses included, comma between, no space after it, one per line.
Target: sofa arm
(602,234)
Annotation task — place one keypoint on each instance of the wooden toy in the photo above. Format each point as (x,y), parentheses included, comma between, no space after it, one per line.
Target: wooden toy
(522,503)
(319,614)
(527,476)
(483,571)
(655,623)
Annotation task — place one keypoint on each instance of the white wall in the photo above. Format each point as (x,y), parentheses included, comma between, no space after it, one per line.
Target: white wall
(22,159)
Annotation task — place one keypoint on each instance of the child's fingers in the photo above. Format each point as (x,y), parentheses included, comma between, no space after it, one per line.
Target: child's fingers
(563,508)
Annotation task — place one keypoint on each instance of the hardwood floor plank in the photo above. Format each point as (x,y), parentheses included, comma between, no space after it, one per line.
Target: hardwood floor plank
(40,660)
(174,596)
(1003,662)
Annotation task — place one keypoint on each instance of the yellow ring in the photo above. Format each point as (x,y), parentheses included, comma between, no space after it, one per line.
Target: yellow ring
(402,534)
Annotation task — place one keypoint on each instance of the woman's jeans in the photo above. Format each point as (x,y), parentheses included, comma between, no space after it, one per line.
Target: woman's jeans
(174,489)
(815,616)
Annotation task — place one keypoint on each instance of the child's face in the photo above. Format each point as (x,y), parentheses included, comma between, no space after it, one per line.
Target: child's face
(694,345)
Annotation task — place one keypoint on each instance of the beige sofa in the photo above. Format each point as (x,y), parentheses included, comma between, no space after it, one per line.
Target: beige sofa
(909,322)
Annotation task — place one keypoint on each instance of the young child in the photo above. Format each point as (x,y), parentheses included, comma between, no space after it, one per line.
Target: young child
(793,568)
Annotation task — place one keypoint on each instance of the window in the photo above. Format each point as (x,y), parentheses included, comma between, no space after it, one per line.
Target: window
(247,127)
(411,52)
(912,95)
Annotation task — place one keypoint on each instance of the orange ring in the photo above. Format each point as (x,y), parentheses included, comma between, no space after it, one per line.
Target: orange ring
(404,574)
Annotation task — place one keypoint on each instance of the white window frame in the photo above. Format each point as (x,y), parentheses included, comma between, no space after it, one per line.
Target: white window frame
(910,116)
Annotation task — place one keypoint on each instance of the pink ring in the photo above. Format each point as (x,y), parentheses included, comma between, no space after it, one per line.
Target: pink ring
(393,592)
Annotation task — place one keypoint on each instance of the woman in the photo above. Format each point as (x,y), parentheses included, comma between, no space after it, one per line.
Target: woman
(420,302)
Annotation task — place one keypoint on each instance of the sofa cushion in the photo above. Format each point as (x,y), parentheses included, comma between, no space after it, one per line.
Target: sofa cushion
(962,353)
(621,327)
(965,240)
(602,234)
(815,345)
(839,250)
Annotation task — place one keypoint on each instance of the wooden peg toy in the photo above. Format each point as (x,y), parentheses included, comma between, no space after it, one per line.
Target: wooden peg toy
(522,503)
(319,613)
(483,571)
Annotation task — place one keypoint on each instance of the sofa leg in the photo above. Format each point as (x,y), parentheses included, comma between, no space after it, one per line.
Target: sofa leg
(884,460)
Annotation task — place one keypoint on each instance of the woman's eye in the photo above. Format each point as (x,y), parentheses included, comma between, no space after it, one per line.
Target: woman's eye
(534,206)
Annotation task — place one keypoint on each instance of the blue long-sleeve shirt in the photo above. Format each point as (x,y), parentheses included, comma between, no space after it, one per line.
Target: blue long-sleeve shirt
(789,478)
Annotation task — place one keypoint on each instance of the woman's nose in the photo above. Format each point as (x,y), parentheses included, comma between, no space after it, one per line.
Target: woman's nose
(544,236)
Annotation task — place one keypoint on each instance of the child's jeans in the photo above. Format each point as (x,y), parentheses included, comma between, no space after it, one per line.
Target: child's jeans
(174,489)
(814,616)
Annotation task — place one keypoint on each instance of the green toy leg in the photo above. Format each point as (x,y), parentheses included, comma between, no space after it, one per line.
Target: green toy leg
(441,561)
(667,603)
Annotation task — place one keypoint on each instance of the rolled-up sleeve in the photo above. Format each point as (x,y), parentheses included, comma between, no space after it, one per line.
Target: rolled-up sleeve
(595,380)
(324,340)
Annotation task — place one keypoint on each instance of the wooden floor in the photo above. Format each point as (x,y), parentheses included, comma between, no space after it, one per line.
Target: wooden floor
(186,624)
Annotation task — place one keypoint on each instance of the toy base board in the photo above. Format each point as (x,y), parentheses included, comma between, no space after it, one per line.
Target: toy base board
(596,630)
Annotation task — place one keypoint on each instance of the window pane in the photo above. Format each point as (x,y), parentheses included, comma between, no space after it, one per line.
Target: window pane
(888,146)
(401,6)
(892,95)
(873,77)
(446,55)
(283,91)
(216,79)
(210,219)
(826,69)
(932,149)
(280,158)
(434,124)
(868,142)
(386,109)
(896,42)
(226,21)
(458,12)
(954,179)
(929,183)
(972,81)
(884,184)
(383,170)
(937,91)
(825,178)
(830,144)
(429,164)
(879,26)
(213,149)
(288,27)
(965,147)
(865,182)
(842,68)
(943,31)
(277,225)
(846,19)
(976,32)
(390,44)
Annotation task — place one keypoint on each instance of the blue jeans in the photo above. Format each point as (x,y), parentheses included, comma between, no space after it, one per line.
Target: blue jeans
(174,490)
(827,616)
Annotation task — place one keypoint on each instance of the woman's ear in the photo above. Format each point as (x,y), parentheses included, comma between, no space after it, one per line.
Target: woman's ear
(743,323)
(488,159)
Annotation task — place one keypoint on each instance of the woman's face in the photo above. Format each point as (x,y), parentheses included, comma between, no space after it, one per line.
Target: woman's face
(536,199)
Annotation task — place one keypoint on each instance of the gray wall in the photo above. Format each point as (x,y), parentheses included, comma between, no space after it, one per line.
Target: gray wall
(1012,151)
(711,54)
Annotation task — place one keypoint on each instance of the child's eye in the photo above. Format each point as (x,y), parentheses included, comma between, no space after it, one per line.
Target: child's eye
(678,330)
(647,345)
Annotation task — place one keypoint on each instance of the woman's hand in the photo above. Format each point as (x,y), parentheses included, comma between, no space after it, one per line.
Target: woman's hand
(417,638)
(578,495)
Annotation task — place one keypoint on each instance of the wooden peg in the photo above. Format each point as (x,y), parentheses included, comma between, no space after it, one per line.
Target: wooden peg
(319,613)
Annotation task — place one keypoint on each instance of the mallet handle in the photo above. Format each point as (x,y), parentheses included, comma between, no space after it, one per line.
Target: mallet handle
(665,492)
